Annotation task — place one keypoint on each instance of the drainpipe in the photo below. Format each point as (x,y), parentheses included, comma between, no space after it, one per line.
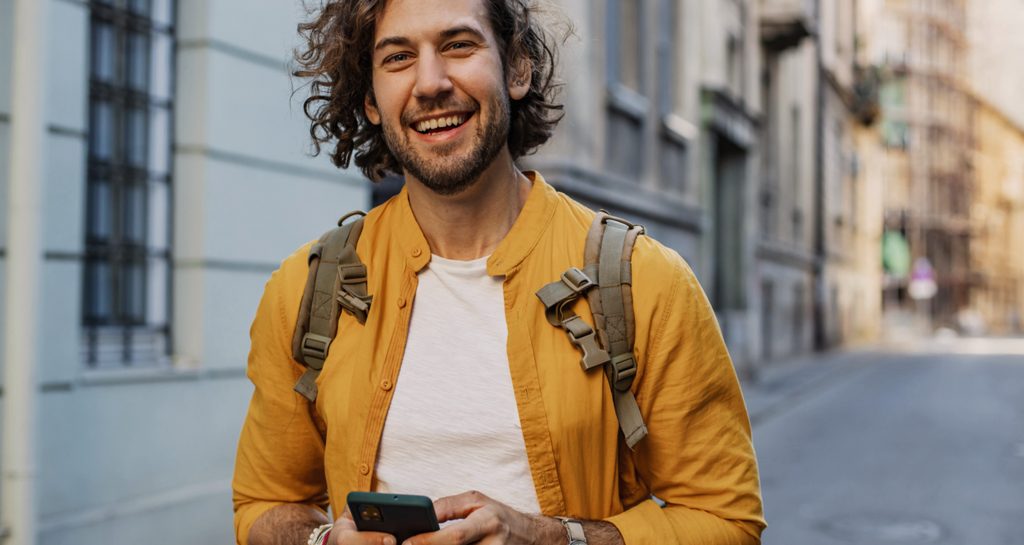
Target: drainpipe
(23,270)
(818,289)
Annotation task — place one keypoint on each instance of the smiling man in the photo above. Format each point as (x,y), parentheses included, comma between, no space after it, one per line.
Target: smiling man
(454,384)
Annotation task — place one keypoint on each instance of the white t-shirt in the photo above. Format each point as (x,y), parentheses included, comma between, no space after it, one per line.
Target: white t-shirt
(453,425)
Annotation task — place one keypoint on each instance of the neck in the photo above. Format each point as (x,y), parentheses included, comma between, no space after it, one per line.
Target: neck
(471,224)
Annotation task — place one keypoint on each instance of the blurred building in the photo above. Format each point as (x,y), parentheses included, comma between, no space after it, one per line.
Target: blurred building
(702,119)
(662,127)
(997,262)
(997,259)
(926,135)
(786,211)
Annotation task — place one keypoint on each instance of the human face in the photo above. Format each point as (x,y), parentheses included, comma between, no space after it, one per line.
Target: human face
(439,91)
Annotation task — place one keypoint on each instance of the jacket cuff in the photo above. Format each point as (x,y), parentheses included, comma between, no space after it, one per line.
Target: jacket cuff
(644,523)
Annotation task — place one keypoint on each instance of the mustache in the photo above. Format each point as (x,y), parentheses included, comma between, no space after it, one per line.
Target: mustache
(429,107)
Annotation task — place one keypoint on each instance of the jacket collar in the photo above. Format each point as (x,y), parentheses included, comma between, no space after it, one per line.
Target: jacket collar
(526,231)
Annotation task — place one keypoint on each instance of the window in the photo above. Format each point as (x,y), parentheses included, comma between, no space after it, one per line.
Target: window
(625,28)
(126,285)
(672,143)
(628,104)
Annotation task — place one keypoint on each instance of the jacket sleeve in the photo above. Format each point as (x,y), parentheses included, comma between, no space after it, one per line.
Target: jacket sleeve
(280,451)
(698,457)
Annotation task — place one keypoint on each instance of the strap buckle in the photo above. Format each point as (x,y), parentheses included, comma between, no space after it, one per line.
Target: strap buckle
(350,276)
(314,350)
(623,370)
(356,305)
(583,336)
(576,280)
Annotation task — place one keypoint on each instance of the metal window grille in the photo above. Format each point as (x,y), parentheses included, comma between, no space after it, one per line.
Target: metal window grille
(126,284)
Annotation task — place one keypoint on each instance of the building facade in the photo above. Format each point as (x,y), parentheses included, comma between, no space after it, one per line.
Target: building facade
(926,134)
(997,262)
(662,128)
(176,178)
(997,301)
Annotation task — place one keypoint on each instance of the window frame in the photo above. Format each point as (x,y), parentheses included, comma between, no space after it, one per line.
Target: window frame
(129,190)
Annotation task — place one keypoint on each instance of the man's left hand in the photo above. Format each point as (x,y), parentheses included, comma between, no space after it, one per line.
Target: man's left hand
(488,522)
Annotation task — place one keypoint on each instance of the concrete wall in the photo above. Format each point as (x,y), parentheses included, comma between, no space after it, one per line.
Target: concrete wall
(145,454)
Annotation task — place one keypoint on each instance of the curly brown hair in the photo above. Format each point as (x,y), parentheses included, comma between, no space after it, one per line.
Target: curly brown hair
(336,57)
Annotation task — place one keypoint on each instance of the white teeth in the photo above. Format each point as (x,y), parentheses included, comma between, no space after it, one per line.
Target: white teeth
(438,123)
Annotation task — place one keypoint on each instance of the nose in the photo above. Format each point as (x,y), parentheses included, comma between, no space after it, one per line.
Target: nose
(431,77)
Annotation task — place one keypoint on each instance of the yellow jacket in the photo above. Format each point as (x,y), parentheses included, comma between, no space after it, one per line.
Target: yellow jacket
(698,457)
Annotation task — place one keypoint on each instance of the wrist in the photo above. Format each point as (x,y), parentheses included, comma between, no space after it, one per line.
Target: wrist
(548,531)
(574,534)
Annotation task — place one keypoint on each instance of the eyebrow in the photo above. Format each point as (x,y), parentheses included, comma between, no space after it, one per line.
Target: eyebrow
(445,34)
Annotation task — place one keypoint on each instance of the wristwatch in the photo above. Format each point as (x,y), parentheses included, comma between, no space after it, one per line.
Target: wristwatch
(574,529)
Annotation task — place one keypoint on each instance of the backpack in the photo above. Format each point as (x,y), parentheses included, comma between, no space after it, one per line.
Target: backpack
(336,282)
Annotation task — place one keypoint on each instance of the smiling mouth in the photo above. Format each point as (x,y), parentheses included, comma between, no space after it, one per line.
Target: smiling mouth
(440,124)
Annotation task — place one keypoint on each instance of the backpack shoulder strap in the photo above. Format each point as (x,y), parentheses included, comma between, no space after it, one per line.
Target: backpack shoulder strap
(336,281)
(607,267)
(609,249)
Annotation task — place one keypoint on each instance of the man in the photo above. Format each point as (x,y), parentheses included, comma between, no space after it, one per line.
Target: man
(456,386)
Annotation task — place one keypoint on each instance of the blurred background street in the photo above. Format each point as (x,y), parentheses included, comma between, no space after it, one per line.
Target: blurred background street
(917,444)
(845,177)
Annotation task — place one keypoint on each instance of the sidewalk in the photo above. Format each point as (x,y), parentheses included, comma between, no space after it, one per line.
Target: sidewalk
(781,384)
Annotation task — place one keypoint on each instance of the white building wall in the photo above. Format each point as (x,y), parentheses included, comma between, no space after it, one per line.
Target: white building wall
(145,454)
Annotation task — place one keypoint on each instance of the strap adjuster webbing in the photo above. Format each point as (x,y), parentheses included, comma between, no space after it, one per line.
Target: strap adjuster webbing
(314,348)
(623,370)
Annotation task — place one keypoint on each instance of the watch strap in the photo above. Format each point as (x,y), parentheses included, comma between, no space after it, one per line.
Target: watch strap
(574,530)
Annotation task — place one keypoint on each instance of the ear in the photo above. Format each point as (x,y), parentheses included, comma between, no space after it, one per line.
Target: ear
(370,108)
(520,76)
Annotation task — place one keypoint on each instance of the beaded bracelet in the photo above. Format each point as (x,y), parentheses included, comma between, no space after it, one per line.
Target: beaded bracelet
(320,535)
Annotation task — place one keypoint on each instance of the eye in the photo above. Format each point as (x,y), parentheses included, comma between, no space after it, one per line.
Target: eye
(396,58)
(460,47)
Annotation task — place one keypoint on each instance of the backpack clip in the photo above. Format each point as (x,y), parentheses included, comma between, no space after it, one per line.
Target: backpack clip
(584,337)
(351,276)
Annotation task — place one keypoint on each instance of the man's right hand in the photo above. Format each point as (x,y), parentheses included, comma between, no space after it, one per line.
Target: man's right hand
(292,524)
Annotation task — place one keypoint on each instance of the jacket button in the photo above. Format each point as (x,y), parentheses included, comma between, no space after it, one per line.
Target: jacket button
(385,385)
(416,252)
(364,468)
(401,302)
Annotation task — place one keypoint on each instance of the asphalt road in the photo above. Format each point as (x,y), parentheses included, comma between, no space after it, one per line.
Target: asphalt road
(879,448)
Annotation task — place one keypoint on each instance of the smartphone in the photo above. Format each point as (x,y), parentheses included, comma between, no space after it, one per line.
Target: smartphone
(401,515)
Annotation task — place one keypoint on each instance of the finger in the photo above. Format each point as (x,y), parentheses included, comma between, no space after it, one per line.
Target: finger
(351,536)
(459,506)
(458,533)
(345,521)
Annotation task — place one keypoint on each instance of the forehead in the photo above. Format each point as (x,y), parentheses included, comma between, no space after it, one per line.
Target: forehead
(425,18)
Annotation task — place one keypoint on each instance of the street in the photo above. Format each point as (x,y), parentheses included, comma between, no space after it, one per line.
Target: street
(920,445)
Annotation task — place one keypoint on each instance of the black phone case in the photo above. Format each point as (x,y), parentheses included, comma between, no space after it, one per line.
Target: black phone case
(401,515)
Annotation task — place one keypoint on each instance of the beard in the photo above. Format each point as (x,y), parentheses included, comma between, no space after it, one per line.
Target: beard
(447,173)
